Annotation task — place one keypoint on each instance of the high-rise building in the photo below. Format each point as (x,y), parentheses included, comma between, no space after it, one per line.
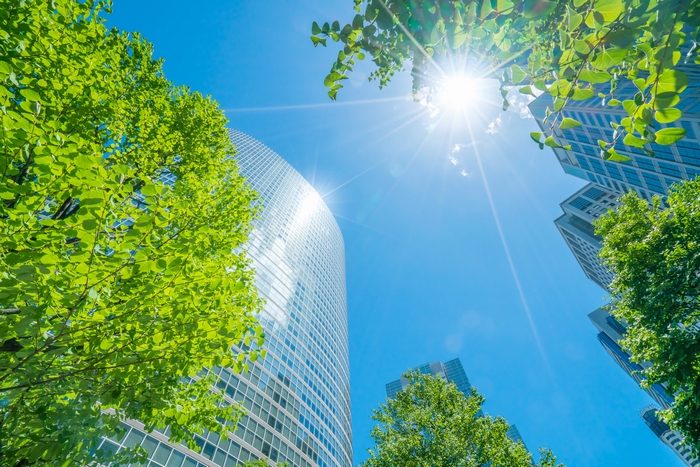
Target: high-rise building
(575,225)
(644,174)
(669,437)
(610,332)
(298,396)
(452,371)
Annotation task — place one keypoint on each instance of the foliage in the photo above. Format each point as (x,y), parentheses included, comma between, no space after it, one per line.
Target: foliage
(116,286)
(654,254)
(431,423)
(573,49)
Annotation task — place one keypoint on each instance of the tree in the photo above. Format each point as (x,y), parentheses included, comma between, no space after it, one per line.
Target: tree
(122,221)
(431,423)
(573,49)
(654,253)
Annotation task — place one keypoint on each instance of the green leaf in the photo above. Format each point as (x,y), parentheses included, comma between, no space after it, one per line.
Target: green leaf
(613,156)
(30,95)
(536,136)
(667,136)
(608,58)
(631,140)
(550,141)
(315,28)
(671,81)
(614,102)
(5,68)
(318,40)
(517,74)
(667,115)
(568,123)
(630,106)
(526,90)
(594,77)
(609,9)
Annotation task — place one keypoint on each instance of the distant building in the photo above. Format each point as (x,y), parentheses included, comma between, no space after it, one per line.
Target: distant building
(610,331)
(452,371)
(669,437)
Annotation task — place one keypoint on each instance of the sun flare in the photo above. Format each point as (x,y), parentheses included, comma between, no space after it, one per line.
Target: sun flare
(459,91)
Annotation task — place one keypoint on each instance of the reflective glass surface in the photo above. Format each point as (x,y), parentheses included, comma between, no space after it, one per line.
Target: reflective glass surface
(298,397)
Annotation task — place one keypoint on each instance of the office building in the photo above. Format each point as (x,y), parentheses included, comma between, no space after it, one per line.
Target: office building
(452,371)
(298,396)
(576,226)
(644,174)
(669,437)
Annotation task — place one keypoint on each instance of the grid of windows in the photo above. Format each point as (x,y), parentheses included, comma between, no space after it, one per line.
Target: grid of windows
(676,162)
(298,397)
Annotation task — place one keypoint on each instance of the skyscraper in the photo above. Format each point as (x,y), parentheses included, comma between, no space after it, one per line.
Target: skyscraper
(298,397)
(644,174)
(575,225)
(669,437)
(452,371)
(610,332)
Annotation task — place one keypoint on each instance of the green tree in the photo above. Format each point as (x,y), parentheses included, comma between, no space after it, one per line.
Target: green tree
(573,49)
(432,424)
(122,220)
(654,253)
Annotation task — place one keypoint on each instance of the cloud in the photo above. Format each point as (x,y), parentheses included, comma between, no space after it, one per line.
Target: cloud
(454,160)
(459,146)
(495,126)
(518,103)
(463,173)
(422,96)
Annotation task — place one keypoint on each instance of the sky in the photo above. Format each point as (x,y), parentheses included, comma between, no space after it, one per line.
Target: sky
(447,216)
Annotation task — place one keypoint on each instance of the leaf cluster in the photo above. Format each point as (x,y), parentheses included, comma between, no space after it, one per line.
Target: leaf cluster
(571,49)
(654,253)
(122,221)
(431,423)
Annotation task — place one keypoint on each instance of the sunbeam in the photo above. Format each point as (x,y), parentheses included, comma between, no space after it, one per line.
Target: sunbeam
(513,271)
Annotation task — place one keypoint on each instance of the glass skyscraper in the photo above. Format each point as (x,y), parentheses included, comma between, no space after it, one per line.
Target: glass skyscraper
(452,371)
(298,396)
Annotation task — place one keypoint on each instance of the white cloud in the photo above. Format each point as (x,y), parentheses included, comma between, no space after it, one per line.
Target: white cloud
(518,103)
(454,160)
(458,147)
(463,173)
(422,96)
(495,126)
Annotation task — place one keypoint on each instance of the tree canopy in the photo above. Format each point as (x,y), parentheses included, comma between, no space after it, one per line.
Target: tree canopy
(654,253)
(122,221)
(572,49)
(431,423)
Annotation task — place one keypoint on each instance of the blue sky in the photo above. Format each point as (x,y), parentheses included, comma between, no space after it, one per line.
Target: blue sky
(428,277)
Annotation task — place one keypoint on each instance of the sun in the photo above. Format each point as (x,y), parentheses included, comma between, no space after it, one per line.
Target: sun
(459,91)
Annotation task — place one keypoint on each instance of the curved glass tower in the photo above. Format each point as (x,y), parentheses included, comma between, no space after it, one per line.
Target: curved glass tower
(298,397)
